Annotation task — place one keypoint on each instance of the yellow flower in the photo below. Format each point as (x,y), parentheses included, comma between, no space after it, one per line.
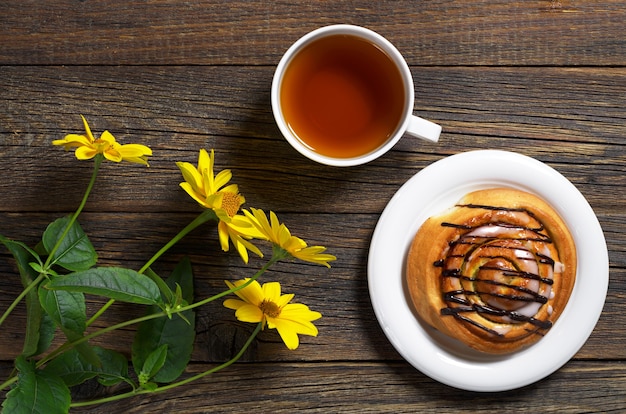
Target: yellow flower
(88,147)
(266,304)
(279,234)
(213,192)
(239,230)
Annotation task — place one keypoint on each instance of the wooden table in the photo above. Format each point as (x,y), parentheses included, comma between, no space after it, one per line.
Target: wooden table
(546,79)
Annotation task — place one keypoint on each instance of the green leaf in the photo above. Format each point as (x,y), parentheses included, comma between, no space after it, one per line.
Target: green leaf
(73,369)
(114,368)
(183,276)
(117,283)
(24,256)
(46,333)
(36,392)
(150,386)
(37,267)
(75,252)
(153,364)
(177,333)
(22,253)
(67,310)
(166,292)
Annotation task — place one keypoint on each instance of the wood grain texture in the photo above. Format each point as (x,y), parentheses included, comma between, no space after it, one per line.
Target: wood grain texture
(380,387)
(256,32)
(545,79)
(341,293)
(571,119)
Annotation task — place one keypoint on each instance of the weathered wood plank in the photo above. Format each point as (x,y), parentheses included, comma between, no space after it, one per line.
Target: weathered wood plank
(348,330)
(382,387)
(571,119)
(542,78)
(465,32)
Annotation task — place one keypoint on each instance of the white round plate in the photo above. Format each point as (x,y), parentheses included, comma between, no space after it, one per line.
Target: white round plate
(438,187)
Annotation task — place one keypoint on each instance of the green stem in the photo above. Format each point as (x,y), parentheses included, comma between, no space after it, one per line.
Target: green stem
(205,216)
(69,345)
(98,160)
(100,312)
(8,382)
(21,296)
(262,270)
(179,383)
(277,256)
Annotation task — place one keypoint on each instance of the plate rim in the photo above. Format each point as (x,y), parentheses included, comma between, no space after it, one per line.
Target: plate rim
(478,362)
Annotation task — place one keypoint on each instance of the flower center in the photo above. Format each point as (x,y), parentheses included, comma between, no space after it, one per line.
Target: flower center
(231,203)
(269,308)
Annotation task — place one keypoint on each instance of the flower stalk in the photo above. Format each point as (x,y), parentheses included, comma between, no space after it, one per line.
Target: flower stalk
(186,381)
(170,315)
(35,283)
(81,206)
(205,216)
(21,296)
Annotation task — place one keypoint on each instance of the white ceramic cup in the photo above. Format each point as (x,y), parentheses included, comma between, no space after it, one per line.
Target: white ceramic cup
(409,123)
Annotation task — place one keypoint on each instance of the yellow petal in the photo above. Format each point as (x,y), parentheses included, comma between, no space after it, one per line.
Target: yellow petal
(112,155)
(134,151)
(196,196)
(222,178)
(249,313)
(240,247)
(244,226)
(297,327)
(243,246)
(289,330)
(290,338)
(191,176)
(205,162)
(277,228)
(299,312)
(314,254)
(271,291)
(258,219)
(233,303)
(73,139)
(207,181)
(138,160)
(221,214)
(252,293)
(108,138)
(284,300)
(214,201)
(87,129)
(291,243)
(222,232)
(85,153)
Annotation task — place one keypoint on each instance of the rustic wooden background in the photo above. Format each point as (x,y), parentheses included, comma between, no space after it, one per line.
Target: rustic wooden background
(543,78)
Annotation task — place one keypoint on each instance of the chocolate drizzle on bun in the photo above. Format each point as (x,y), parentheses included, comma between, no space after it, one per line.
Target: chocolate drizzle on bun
(495,271)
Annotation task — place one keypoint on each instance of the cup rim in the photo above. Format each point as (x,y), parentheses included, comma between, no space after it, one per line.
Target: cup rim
(388,48)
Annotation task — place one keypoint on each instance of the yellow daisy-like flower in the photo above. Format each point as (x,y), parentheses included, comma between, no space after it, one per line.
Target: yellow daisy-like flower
(279,234)
(239,231)
(88,147)
(213,192)
(266,304)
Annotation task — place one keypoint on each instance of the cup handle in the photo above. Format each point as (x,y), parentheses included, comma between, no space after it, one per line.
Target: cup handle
(423,129)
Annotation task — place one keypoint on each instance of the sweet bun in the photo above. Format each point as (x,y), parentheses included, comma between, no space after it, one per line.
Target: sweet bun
(495,271)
